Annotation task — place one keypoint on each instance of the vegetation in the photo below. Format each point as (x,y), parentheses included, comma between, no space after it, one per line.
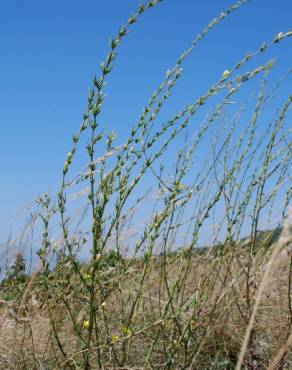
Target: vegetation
(149,296)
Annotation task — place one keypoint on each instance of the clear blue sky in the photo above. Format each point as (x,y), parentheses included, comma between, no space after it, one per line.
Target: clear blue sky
(50,50)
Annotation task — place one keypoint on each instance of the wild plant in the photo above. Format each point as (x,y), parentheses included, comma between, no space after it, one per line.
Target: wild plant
(149,296)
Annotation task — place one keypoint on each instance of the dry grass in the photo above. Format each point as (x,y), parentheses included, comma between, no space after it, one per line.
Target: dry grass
(214,315)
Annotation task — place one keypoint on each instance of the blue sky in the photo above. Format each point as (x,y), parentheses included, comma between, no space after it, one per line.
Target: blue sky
(50,50)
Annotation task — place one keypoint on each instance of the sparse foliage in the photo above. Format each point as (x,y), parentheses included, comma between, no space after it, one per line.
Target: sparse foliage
(149,296)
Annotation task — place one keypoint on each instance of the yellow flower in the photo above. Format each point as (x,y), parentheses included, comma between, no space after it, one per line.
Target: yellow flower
(86,276)
(125,331)
(86,324)
(226,73)
(103,305)
(115,338)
